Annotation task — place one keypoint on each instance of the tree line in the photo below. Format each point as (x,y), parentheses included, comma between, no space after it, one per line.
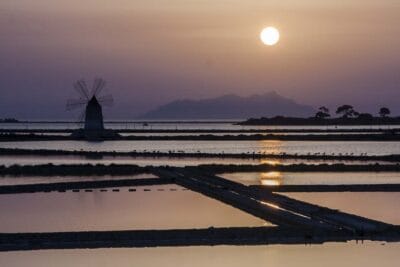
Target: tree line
(348,111)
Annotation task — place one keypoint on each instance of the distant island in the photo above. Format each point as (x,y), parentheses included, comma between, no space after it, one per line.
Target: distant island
(346,115)
(229,107)
(8,120)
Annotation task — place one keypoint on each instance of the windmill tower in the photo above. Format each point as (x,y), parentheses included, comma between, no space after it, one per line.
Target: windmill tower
(93,113)
(93,116)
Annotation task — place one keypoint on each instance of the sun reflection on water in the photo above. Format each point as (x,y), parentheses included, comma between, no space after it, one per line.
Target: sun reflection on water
(270,162)
(272,178)
(271,205)
(270,147)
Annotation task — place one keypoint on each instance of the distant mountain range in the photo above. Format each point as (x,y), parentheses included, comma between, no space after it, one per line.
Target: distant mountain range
(230,107)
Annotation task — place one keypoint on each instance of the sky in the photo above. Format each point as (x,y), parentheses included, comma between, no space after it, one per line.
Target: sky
(151,52)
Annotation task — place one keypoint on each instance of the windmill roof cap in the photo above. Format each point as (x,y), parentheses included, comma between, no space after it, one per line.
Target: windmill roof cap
(94,101)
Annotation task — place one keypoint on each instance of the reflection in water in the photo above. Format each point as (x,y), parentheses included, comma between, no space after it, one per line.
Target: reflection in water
(313,178)
(270,162)
(271,146)
(271,205)
(271,178)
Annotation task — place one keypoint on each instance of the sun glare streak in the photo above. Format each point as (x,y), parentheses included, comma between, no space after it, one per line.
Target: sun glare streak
(271,205)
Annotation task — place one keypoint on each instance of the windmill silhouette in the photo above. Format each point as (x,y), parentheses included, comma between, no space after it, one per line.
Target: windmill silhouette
(91,103)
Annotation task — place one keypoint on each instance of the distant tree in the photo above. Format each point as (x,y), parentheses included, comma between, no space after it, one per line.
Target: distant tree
(324,109)
(384,112)
(323,113)
(365,116)
(346,111)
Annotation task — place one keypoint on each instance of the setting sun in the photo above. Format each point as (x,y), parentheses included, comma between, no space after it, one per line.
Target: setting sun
(269,36)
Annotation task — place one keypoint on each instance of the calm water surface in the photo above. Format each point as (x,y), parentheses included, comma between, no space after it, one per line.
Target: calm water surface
(290,147)
(312,178)
(376,205)
(15,180)
(124,210)
(171,207)
(369,254)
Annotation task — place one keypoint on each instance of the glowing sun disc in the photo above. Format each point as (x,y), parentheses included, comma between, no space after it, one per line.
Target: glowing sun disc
(269,36)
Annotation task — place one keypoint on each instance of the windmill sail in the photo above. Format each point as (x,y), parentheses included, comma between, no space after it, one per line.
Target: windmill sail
(92,103)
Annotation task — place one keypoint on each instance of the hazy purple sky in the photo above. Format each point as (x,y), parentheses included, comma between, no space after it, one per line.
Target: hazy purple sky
(154,51)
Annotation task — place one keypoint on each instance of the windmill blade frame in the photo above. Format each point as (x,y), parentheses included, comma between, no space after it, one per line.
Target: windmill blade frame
(81,119)
(73,104)
(98,85)
(91,116)
(106,100)
(81,88)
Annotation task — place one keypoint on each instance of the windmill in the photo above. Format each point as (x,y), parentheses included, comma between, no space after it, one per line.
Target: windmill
(91,102)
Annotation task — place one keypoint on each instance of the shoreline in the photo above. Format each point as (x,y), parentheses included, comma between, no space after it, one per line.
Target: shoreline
(176,154)
(184,237)
(129,169)
(110,185)
(381,137)
(313,121)
(252,130)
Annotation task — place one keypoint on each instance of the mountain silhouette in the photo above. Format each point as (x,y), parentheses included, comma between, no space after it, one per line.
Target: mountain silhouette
(230,107)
